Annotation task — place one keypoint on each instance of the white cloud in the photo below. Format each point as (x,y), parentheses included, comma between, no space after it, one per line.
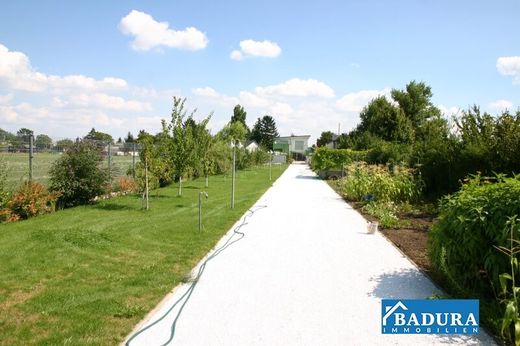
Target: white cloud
(16,71)
(205,91)
(500,105)
(5,99)
(251,48)
(104,101)
(356,101)
(449,111)
(509,66)
(149,33)
(298,87)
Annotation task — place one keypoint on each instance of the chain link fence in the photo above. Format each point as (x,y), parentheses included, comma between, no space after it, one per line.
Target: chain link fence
(27,160)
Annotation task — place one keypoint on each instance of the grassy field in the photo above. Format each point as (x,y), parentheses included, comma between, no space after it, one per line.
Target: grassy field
(18,166)
(87,275)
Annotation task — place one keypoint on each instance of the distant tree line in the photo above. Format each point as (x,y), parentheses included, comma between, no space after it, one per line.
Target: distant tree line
(409,129)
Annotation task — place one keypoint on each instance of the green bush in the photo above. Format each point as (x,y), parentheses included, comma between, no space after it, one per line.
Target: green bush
(77,175)
(472,222)
(259,157)
(385,212)
(326,158)
(381,183)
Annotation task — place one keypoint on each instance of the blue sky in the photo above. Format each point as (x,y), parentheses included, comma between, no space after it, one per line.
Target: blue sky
(66,67)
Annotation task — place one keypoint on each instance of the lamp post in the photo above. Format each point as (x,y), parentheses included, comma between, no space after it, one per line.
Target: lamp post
(205,194)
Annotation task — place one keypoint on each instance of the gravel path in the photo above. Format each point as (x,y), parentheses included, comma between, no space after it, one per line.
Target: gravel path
(306,273)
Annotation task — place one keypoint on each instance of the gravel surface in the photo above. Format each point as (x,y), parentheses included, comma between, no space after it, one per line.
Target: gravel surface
(305,273)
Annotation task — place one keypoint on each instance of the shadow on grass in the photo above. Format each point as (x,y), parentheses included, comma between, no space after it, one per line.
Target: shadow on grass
(113,207)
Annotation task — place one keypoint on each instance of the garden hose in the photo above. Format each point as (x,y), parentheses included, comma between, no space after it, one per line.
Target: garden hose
(186,296)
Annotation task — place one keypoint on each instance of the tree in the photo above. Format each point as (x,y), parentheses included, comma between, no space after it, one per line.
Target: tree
(233,132)
(77,175)
(386,121)
(239,115)
(264,132)
(24,134)
(99,136)
(129,138)
(182,152)
(43,142)
(203,143)
(64,144)
(415,102)
(325,138)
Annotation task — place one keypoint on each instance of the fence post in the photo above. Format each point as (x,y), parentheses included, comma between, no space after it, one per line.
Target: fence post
(109,162)
(31,144)
(133,160)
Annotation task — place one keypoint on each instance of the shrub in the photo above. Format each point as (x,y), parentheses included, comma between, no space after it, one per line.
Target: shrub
(472,222)
(126,184)
(385,212)
(381,183)
(77,175)
(31,199)
(259,157)
(325,158)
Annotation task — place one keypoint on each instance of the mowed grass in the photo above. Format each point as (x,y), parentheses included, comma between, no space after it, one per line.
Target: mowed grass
(87,275)
(18,166)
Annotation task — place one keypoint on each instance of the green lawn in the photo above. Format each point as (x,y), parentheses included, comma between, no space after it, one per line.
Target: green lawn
(87,275)
(18,166)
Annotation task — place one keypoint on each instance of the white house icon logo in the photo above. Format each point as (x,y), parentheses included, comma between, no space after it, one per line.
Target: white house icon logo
(389,310)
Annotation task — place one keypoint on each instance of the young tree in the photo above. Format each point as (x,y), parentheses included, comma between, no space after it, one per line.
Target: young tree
(233,132)
(24,134)
(203,143)
(182,144)
(264,132)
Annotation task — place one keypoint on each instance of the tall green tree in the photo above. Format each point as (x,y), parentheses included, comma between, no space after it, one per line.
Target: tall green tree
(99,136)
(415,103)
(325,138)
(43,142)
(24,134)
(239,115)
(386,121)
(264,132)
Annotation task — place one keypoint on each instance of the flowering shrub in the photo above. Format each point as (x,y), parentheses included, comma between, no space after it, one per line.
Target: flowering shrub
(29,200)
(380,183)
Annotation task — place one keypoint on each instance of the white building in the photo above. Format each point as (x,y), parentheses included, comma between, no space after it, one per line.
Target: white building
(292,144)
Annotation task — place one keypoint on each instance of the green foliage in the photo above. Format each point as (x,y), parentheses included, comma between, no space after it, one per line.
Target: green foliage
(325,138)
(77,174)
(510,290)
(385,212)
(239,115)
(389,152)
(259,157)
(232,132)
(386,121)
(329,159)
(31,199)
(4,192)
(470,225)
(43,142)
(264,132)
(94,135)
(220,156)
(63,144)
(379,183)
